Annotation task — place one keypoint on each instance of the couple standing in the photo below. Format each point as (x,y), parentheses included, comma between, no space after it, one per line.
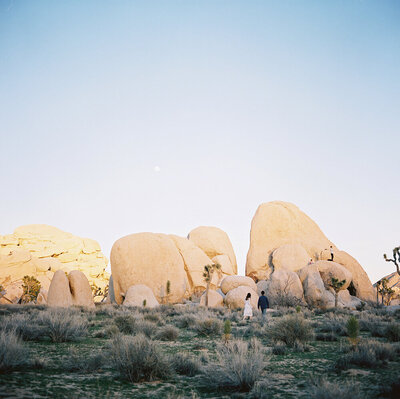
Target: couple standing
(263,304)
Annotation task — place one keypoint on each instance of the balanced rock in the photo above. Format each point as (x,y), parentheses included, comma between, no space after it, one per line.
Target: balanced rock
(290,257)
(214,241)
(150,259)
(231,282)
(140,295)
(80,289)
(215,300)
(236,297)
(59,294)
(284,283)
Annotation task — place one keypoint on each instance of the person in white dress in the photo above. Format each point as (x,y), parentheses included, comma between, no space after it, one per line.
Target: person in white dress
(248,310)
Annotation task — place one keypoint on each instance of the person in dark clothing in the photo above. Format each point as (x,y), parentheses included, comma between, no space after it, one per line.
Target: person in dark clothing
(331,253)
(263,304)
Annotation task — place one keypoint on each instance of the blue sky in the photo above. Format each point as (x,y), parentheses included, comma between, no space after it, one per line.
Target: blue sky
(236,102)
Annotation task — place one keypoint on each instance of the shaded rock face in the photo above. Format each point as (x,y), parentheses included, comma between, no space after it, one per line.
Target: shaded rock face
(59,294)
(236,297)
(283,282)
(80,289)
(282,236)
(41,250)
(214,241)
(140,295)
(153,259)
(215,299)
(394,284)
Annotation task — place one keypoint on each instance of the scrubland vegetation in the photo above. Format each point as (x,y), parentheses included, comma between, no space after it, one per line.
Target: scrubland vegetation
(186,351)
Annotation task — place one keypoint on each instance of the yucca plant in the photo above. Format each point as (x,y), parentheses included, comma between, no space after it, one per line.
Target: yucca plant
(208,274)
(353,329)
(227,330)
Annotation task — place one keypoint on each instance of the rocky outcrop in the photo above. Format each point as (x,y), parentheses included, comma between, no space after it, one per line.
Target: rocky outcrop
(80,289)
(213,241)
(215,300)
(59,294)
(41,250)
(150,259)
(140,295)
(283,283)
(329,270)
(236,297)
(231,282)
(315,293)
(280,232)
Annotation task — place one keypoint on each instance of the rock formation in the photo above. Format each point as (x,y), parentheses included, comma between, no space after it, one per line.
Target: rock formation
(283,237)
(41,250)
(231,282)
(80,289)
(235,298)
(59,294)
(140,295)
(215,299)
(283,283)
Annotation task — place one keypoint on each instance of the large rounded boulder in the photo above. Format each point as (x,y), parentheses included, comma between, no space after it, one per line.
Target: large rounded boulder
(235,298)
(284,285)
(140,295)
(215,299)
(80,289)
(214,241)
(329,270)
(59,294)
(150,259)
(290,257)
(231,282)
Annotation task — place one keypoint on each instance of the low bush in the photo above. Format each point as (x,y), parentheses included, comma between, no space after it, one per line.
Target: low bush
(238,366)
(185,364)
(24,324)
(129,324)
(323,389)
(74,361)
(13,354)
(62,325)
(261,390)
(279,349)
(185,321)
(290,330)
(138,358)
(392,332)
(168,333)
(209,327)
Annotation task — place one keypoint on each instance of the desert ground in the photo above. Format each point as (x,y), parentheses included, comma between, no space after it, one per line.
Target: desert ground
(188,351)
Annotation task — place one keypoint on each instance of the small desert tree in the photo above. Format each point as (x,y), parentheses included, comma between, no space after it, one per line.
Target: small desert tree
(353,329)
(337,285)
(227,329)
(395,259)
(208,274)
(31,288)
(386,292)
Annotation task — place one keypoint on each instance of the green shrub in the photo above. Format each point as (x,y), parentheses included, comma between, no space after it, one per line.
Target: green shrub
(279,349)
(290,330)
(138,358)
(392,332)
(31,288)
(185,364)
(209,327)
(353,328)
(238,366)
(168,333)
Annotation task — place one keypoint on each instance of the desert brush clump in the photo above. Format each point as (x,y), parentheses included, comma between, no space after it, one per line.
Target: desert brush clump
(168,333)
(209,326)
(31,287)
(74,361)
(185,364)
(134,324)
(324,389)
(238,366)
(290,330)
(13,354)
(353,329)
(138,358)
(392,332)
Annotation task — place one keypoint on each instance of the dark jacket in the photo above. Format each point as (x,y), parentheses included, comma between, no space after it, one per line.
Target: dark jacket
(263,302)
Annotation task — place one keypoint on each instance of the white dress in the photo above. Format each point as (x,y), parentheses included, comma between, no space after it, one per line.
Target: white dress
(248,310)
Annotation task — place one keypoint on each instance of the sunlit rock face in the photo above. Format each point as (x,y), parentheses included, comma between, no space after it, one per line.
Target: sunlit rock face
(283,237)
(394,284)
(40,250)
(154,259)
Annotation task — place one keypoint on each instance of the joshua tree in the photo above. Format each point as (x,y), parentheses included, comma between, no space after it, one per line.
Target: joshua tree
(31,288)
(385,291)
(378,287)
(207,274)
(395,260)
(337,286)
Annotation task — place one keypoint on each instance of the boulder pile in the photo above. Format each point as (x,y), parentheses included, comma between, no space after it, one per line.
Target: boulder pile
(40,250)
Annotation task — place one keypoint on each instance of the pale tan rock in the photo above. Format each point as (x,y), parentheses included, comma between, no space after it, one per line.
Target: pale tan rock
(138,294)
(149,259)
(284,283)
(290,257)
(276,224)
(214,241)
(361,282)
(231,282)
(236,297)
(13,293)
(194,261)
(226,265)
(42,297)
(348,301)
(315,292)
(59,294)
(262,285)
(215,300)
(80,289)
(329,270)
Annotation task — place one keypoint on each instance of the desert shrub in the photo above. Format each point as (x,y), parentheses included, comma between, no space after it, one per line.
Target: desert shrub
(285,299)
(25,325)
(392,332)
(291,329)
(352,328)
(279,349)
(153,317)
(31,288)
(185,321)
(323,389)
(13,354)
(129,324)
(253,330)
(62,325)
(74,361)
(107,332)
(209,327)
(168,333)
(138,358)
(238,366)
(261,390)
(334,325)
(369,354)
(185,364)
